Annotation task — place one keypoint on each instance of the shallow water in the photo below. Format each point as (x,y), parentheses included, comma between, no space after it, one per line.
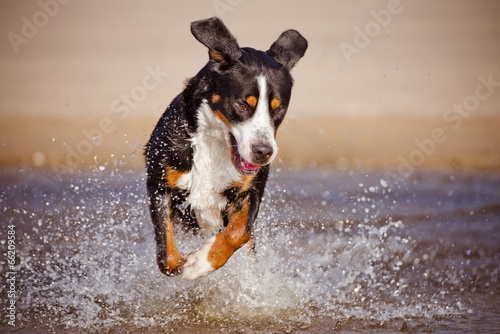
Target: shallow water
(347,252)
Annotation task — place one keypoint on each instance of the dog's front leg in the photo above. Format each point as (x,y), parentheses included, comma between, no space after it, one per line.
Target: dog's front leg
(218,249)
(174,260)
(168,257)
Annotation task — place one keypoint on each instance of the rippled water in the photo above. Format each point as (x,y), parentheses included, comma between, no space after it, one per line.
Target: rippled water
(336,251)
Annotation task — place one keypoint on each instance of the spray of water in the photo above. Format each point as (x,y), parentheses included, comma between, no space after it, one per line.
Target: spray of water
(86,259)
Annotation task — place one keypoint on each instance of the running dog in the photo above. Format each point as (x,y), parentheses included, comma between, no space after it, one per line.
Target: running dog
(208,158)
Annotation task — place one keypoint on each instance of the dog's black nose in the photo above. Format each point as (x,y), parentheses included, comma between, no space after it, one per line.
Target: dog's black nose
(261,153)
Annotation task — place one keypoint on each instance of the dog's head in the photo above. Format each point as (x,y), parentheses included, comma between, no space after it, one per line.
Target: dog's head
(248,90)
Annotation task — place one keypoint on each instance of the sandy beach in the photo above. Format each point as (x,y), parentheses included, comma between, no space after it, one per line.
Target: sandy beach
(318,141)
(378,87)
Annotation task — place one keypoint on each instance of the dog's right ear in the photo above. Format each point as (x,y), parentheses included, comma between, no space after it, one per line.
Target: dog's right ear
(222,46)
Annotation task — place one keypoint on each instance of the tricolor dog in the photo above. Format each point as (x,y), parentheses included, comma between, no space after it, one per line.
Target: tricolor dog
(208,157)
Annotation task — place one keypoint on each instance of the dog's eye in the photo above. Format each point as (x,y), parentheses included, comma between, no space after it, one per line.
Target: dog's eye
(278,110)
(276,106)
(243,107)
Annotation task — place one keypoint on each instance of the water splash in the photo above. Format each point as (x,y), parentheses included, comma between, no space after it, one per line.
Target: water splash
(86,259)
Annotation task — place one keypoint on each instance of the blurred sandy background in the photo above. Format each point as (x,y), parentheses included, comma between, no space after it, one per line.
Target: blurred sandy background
(65,67)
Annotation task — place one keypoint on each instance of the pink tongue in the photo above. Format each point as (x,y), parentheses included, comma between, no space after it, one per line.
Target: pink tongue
(249,166)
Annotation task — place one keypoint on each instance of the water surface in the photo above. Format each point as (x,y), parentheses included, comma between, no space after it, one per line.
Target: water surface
(347,252)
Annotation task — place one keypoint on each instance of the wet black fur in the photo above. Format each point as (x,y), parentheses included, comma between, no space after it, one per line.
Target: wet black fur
(230,74)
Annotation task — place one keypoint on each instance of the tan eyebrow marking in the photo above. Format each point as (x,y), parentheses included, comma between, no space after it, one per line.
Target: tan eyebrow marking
(275,103)
(252,101)
(215,98)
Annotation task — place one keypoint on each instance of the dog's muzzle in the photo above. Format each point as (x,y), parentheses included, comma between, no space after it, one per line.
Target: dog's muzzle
(261,154)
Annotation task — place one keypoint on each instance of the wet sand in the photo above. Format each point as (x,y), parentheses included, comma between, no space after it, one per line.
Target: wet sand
(334,142)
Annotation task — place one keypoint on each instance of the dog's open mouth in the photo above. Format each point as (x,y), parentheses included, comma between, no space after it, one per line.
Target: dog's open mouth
(241,164)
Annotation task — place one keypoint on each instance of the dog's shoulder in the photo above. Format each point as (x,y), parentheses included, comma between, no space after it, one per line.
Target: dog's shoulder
(170,142)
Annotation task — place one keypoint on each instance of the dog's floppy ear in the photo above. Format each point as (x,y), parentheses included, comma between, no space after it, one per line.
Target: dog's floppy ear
(288,48)
(223,47)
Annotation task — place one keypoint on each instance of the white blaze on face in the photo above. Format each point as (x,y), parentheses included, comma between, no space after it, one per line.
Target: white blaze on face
(258,129)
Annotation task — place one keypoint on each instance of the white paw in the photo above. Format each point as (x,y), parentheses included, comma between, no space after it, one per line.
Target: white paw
(197,264)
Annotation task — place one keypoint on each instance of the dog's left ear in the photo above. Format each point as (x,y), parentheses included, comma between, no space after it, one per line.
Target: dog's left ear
(288,48)
(223,47)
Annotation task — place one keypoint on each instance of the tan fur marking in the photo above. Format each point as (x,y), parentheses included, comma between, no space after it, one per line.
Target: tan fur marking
(245,182)
(215,98)
(172,176)
(252,101)
(174,258)
(222,118)
(217,57)
(230,240)
(275,103)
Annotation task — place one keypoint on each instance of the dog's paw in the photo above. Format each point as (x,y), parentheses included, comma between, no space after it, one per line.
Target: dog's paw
(197,264)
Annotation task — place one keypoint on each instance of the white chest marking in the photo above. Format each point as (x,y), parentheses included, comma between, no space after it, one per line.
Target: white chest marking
(212,171)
